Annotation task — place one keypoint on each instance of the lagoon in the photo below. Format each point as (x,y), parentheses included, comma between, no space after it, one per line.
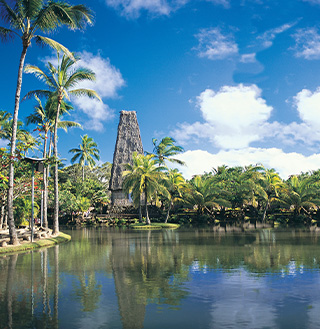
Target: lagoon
(185,278)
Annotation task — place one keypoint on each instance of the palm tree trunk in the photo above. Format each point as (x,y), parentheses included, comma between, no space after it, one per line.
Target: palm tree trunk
(12,230)
(146,205)
(140,211)
(2,212)
(56,186)
(169,208)
(265,211)
(45,185)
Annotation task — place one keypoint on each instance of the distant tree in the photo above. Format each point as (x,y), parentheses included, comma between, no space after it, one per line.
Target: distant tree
(87,151)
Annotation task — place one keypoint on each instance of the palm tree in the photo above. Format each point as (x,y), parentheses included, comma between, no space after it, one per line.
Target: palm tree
(4,118)
(60,81)
(85,153)
(143,177)
(271,184)
(302,193)
(165,150)
(44,118)
(174,183)
(24,20)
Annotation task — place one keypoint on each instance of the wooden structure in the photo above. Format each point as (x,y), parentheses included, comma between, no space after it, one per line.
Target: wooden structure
(128,141)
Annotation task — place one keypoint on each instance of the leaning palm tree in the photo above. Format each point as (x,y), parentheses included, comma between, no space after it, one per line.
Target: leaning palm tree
(44,118)
(25,19)
(142,178)
(85,153)
(60,81)
(165,150)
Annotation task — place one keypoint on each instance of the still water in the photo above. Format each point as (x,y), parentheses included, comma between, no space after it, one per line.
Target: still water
(117,278)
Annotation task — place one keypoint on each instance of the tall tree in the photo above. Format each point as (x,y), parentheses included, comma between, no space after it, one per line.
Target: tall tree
(60,81)
(25,19)
(44,118)
(87,151)
(164,151)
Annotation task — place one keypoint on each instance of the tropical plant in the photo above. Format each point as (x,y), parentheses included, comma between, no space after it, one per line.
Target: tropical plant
(174,183)
(44,118)
(25,19)
(165,149)
(60,81)
(271,184)
(142,179)
(88,149)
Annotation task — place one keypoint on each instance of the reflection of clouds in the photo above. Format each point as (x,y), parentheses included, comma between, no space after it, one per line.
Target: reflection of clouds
(242,303)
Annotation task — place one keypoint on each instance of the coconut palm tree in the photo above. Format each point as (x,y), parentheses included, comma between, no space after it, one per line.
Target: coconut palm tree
(85,153)
(4,118)
(164,151)
(44,118)
(61,81)
(25,19)
(143,177)
(271,184)
(174,183)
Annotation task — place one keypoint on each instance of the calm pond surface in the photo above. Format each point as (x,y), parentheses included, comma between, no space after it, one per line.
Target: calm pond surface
(118,278)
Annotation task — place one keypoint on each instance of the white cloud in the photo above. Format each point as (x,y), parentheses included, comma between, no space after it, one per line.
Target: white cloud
(307,43)
(248,58)
(268,36)
(215,45)
(286,164)
(133,8)
(108,81)
(234,117)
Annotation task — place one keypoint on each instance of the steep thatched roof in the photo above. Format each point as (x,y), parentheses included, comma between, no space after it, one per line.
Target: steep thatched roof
(128,141)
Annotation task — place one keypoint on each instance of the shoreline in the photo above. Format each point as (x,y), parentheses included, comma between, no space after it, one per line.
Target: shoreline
(41,243)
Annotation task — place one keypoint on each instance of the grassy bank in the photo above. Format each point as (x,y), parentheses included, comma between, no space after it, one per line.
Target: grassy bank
(48,242)
(154,226)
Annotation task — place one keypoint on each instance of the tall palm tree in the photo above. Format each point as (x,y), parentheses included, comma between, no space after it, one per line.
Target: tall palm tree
(85,153)
(25,19)
(165,150)
(60,81)
(44,118)
(143,177)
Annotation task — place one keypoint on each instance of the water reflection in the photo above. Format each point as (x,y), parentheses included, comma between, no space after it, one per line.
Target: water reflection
(113,278)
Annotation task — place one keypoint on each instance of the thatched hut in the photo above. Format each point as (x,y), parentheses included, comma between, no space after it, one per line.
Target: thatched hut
(128,141)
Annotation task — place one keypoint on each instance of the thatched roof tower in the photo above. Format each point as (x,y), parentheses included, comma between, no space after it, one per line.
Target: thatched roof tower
(128,141)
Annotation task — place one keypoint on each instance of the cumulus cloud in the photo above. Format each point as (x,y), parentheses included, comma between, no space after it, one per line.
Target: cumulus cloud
(233,116)
(307,43)
(108,81)
(286,164)
(215,45)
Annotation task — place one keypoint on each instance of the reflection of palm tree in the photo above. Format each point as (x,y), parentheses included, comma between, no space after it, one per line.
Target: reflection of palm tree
(85,153)
(25,19)
(61,80)
(10,280)
(89,292)
(44,117)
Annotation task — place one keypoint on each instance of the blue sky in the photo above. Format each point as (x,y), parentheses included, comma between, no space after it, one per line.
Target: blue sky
(233,81)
